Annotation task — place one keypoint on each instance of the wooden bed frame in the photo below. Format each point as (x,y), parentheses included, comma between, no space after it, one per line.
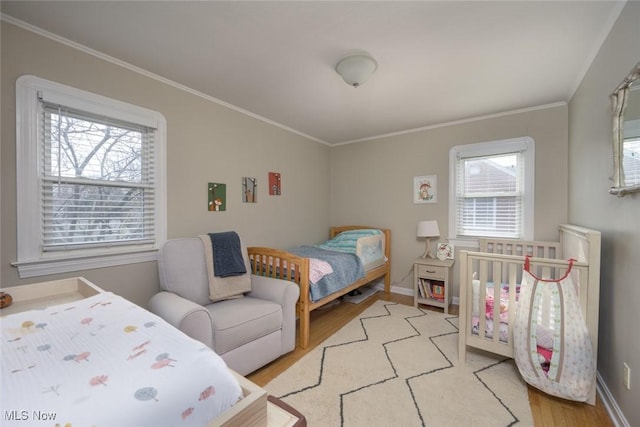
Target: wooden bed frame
(502,261)
(298,271)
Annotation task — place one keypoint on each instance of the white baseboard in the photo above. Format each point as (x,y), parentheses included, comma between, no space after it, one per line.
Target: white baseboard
(399,290)
(617,417)
(409,292)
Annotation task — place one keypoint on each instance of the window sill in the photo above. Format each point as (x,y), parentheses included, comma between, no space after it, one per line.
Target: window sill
(45,267)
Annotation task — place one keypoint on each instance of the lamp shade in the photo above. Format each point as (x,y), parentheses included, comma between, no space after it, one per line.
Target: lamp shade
(428,229)
(356,69)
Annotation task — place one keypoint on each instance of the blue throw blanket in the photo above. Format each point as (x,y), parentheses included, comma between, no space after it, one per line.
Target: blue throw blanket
(347,268)
(227,254)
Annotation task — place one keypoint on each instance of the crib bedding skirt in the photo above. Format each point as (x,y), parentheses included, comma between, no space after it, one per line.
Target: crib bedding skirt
(104,361)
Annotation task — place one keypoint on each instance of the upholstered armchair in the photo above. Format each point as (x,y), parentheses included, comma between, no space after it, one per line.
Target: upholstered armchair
(248,331)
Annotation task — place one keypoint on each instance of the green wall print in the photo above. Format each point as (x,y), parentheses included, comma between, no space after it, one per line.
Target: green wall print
(217,197)
(249,190)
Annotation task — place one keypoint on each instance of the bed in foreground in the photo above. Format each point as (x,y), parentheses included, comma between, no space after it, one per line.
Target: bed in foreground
(307,266)
(490,281)
(101,360)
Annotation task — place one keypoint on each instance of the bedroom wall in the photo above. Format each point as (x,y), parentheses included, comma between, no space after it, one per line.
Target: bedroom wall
(206,143)
(591,167)
(372,181)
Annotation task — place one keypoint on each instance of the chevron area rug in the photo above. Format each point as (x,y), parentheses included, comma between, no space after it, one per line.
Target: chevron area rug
(397,365)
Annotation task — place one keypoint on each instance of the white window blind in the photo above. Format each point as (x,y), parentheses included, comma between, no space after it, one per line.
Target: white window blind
(631,153)
(97,180)
(631,161)
(489,195)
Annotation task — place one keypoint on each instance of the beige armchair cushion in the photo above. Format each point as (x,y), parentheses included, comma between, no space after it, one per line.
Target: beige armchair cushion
(234,328)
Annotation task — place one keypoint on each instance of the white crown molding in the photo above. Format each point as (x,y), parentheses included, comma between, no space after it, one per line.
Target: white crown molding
(456,122)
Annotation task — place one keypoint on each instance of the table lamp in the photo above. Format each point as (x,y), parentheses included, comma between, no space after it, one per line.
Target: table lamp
(428,229)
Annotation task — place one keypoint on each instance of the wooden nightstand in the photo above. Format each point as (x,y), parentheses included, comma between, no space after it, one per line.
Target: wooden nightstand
(431,282)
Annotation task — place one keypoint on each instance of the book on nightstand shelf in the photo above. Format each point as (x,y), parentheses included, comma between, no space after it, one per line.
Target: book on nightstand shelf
(424,288)
(437,291)
(431,289)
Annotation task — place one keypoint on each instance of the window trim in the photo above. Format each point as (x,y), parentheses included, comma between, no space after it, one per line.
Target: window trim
(31,261)
(527,146)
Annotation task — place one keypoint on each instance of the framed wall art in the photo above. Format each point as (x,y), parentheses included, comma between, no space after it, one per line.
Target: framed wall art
(249,190)
(275,184)
(425,189)
(444,251)
(217,197)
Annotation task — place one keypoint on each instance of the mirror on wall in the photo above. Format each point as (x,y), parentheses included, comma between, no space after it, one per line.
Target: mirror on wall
(626,135)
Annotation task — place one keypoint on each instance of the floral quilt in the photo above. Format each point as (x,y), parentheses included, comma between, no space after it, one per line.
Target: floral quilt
(104,361)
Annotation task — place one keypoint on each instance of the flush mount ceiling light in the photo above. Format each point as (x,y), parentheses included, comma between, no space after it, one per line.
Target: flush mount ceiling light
(356,69)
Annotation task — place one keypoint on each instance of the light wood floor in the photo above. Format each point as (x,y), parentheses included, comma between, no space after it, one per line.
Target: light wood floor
(547,411)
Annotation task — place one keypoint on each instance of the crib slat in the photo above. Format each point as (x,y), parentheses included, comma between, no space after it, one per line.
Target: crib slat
(482,314)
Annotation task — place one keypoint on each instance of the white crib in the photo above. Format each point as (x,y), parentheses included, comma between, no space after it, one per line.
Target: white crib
(495,271)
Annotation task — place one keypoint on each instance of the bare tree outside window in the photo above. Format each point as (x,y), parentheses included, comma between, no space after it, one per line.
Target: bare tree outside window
(95,181)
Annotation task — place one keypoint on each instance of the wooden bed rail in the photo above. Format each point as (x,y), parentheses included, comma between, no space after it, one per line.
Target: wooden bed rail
(263,261)
(284,265)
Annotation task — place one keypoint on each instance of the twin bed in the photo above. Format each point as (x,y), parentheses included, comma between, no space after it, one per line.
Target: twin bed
(324,275)
(490,280)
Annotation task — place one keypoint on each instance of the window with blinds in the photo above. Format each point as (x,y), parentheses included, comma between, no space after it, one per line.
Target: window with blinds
(97,181)
(91,180)
(493,189)
(489,195)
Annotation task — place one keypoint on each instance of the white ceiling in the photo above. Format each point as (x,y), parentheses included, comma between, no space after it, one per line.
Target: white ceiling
(438,61)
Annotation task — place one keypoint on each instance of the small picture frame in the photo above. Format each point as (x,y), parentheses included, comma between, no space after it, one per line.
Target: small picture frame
(217,197)
(444,251)
(275,184)
(249,190)
(425,189)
